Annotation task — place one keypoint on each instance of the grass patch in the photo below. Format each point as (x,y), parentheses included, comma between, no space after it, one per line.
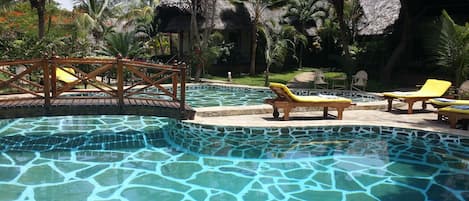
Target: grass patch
(258,80)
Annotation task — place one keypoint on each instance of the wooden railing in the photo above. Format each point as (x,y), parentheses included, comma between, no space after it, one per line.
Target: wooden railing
(91,78)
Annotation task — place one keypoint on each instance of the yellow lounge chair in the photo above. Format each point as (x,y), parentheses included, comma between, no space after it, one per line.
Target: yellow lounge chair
(286,100)
(454,113)
(66,75)
(444,102)
(431,89)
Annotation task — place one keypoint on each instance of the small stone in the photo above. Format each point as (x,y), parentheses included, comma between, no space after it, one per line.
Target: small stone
(159,181)
(223,196)
(88,172)
(437,192)
(10,192)
(224,181)
(388,192)
(113,177)
(8,173)
(141,193)
(411,170)
(255,195)
(180,170)
(321,195)
(345,182)
(299,174)
(323,178)
(198,194)
(73,191)
(39,175)
(359,197)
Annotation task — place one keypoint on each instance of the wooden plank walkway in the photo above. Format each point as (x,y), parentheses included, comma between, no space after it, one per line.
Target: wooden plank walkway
(93,106)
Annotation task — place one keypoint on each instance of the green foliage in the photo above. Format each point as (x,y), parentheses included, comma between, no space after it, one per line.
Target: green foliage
(28,47)
(21,19)
(121,43)
(95,17)
(447,46)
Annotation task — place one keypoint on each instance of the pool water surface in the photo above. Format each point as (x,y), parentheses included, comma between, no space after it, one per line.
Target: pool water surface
(207,95)
(148,158)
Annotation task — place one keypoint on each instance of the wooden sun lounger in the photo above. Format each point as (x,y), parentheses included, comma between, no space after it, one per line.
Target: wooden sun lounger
(454,114)
(287,101)
(431,89)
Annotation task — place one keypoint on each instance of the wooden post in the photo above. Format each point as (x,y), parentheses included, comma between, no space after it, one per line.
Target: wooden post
(120,81)
(182,103)
(175,82)
(47,81)
(53,79)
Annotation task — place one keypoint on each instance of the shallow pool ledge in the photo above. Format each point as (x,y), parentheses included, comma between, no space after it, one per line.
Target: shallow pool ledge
(265,109)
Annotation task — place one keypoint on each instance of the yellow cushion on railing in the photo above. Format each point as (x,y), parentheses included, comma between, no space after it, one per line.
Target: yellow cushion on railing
(431,88)
(313,99)
(462,109)
(65,75)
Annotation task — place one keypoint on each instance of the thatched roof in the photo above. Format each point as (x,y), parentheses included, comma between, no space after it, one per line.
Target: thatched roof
(378,16)
(175,15)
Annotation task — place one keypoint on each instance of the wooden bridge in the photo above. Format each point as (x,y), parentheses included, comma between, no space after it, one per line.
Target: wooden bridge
(89,86)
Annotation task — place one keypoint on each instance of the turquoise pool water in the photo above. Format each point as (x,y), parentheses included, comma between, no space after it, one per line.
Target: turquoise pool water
(206,95)
(150,158)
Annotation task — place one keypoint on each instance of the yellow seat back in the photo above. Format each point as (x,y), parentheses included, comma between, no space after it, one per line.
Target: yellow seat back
(434,87)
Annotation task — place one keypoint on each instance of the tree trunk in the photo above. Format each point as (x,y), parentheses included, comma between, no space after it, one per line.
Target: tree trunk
(252,68)
(300,57)
(344,36)
(396,55)
(266,76)
(40,6)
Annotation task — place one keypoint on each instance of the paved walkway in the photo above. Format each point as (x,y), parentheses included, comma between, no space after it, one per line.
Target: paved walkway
(302,80)
(424,120)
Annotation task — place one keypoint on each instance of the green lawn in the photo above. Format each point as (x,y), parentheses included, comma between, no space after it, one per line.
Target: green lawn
(258,80)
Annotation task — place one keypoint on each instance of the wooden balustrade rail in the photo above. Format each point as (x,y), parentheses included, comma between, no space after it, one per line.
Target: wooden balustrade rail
(91,78)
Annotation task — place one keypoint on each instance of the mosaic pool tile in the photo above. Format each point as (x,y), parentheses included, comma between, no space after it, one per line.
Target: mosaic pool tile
(166,159)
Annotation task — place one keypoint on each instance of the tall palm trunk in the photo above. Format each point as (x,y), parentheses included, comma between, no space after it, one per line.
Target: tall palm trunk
(344,35)
(252,69)
(40,6)
(266,75)
(385,74)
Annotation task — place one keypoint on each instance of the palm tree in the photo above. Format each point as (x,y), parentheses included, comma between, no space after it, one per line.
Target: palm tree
(258,8)
(6,4)
(277,47)
(121,44)
(140,12)
(95,16)
(303,13)
(40,6)
(344,34)
(447,45)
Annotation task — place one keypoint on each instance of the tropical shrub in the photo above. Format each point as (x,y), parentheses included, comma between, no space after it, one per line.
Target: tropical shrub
(121,44)
(446,45)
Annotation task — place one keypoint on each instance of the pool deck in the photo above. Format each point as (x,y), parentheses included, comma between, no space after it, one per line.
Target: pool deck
(422,120)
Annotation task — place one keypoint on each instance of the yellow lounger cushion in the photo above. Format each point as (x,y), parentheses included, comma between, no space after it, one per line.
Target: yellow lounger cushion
(312,99)
(64,75)
(462,109)
(448,102)
(431,88)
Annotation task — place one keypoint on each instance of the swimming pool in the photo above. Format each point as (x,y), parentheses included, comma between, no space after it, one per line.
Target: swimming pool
(148,158)
(209,95)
